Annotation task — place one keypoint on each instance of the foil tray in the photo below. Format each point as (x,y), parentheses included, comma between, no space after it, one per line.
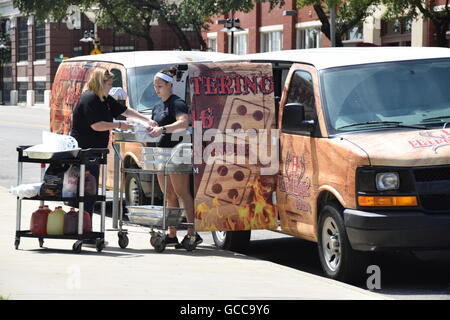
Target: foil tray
(152,216)
(128,136)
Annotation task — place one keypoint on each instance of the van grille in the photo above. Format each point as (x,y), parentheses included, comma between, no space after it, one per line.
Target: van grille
(432,174)
(435,202)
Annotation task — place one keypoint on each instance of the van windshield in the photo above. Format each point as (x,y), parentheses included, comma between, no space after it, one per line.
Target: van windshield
(141,94)
(394,94)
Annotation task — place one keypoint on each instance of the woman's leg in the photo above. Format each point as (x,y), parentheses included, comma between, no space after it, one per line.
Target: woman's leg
(180,184)
(171,197)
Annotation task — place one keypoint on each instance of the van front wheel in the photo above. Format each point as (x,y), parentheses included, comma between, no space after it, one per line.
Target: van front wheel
(339,261)
(232,240)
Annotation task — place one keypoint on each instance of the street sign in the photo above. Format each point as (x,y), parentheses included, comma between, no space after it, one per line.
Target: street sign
(96,51)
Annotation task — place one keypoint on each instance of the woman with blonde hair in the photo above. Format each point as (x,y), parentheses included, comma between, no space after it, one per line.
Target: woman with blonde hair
(92,118)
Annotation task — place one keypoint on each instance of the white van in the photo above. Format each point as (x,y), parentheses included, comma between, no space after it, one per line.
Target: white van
(364,151)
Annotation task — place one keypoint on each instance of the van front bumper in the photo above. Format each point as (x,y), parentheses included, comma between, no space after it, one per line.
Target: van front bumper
(371,231)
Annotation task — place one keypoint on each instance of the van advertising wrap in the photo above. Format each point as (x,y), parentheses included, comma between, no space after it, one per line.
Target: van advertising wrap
(234,125)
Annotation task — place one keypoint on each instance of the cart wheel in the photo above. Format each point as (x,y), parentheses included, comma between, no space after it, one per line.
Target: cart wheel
(77,246)
(152,240)
(100,244)
(188,242)
(41,242)
(123,240)
(17,243)
(159,244)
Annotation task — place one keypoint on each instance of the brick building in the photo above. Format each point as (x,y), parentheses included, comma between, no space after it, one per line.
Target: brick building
(28,59)
(291,28)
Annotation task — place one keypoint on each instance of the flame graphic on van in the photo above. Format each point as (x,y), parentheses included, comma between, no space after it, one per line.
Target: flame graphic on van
(257,213)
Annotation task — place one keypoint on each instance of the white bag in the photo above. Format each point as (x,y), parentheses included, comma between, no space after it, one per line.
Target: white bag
(70,183)
(26,190)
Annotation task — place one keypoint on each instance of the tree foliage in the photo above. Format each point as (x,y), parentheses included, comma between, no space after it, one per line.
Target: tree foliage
(135,17)
(349,14)
(411,9)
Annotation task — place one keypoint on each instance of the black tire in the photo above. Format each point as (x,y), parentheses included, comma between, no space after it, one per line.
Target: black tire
(77,246)
(100,244)
(123,240)
(134,195)
(339,261)
(158,242)
(232,240)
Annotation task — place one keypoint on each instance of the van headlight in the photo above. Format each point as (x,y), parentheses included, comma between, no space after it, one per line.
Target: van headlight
(387,181)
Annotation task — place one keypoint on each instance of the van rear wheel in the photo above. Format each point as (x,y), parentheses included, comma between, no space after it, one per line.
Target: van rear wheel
(339,261)
(134,195)
(232,240)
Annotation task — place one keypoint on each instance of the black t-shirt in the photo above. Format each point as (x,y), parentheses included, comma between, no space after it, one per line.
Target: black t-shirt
(165,114)
(89,110)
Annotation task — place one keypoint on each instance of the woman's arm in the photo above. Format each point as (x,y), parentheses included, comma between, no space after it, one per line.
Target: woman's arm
(181,123)
(131,113)
(105,126)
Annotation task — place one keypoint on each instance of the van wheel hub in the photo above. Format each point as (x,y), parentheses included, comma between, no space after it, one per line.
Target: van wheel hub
(331,245)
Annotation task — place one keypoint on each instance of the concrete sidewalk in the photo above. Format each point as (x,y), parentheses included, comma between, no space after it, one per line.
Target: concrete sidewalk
(138,272)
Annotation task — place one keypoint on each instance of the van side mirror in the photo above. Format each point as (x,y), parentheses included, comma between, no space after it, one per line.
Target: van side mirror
(293,120)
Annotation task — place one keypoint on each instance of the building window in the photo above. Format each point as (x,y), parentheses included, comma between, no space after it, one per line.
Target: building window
(39,88)
(212,44)
(123,48)
(39,42)
(6,92)
(240,42)
(77,51)
(309,38)
(22,29)
(22,88)
(271,41)
(356,33)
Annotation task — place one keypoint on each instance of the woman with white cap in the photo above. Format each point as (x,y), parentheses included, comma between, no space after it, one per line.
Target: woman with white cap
(170,117)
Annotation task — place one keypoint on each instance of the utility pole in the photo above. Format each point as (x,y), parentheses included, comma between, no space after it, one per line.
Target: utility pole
(332,23)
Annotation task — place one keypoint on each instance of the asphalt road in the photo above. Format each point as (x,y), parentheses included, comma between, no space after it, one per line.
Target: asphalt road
(403,276)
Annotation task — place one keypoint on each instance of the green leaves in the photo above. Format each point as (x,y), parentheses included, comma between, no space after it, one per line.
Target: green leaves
(349,14)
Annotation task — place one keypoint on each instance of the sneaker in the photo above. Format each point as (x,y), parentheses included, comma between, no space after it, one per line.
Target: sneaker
(198,239)
(171,241)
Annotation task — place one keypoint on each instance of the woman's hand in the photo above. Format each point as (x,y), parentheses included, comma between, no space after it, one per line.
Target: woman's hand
(124,125)
(152,123)
(155,131)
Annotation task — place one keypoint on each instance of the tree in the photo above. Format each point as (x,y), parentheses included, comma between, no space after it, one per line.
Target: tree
(135,17)
(411,9)
(348,14)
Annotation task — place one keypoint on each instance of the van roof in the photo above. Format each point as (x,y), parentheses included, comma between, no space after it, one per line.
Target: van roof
(145,58)
(324,58)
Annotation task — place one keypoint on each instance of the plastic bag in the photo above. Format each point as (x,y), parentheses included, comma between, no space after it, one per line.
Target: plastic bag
(53,180)
(26,190)
(70,183)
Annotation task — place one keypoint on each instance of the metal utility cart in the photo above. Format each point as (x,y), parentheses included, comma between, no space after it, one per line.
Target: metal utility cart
(157,218)
(81,158)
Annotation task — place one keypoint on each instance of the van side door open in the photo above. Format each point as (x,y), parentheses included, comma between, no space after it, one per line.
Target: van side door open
(233,112)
